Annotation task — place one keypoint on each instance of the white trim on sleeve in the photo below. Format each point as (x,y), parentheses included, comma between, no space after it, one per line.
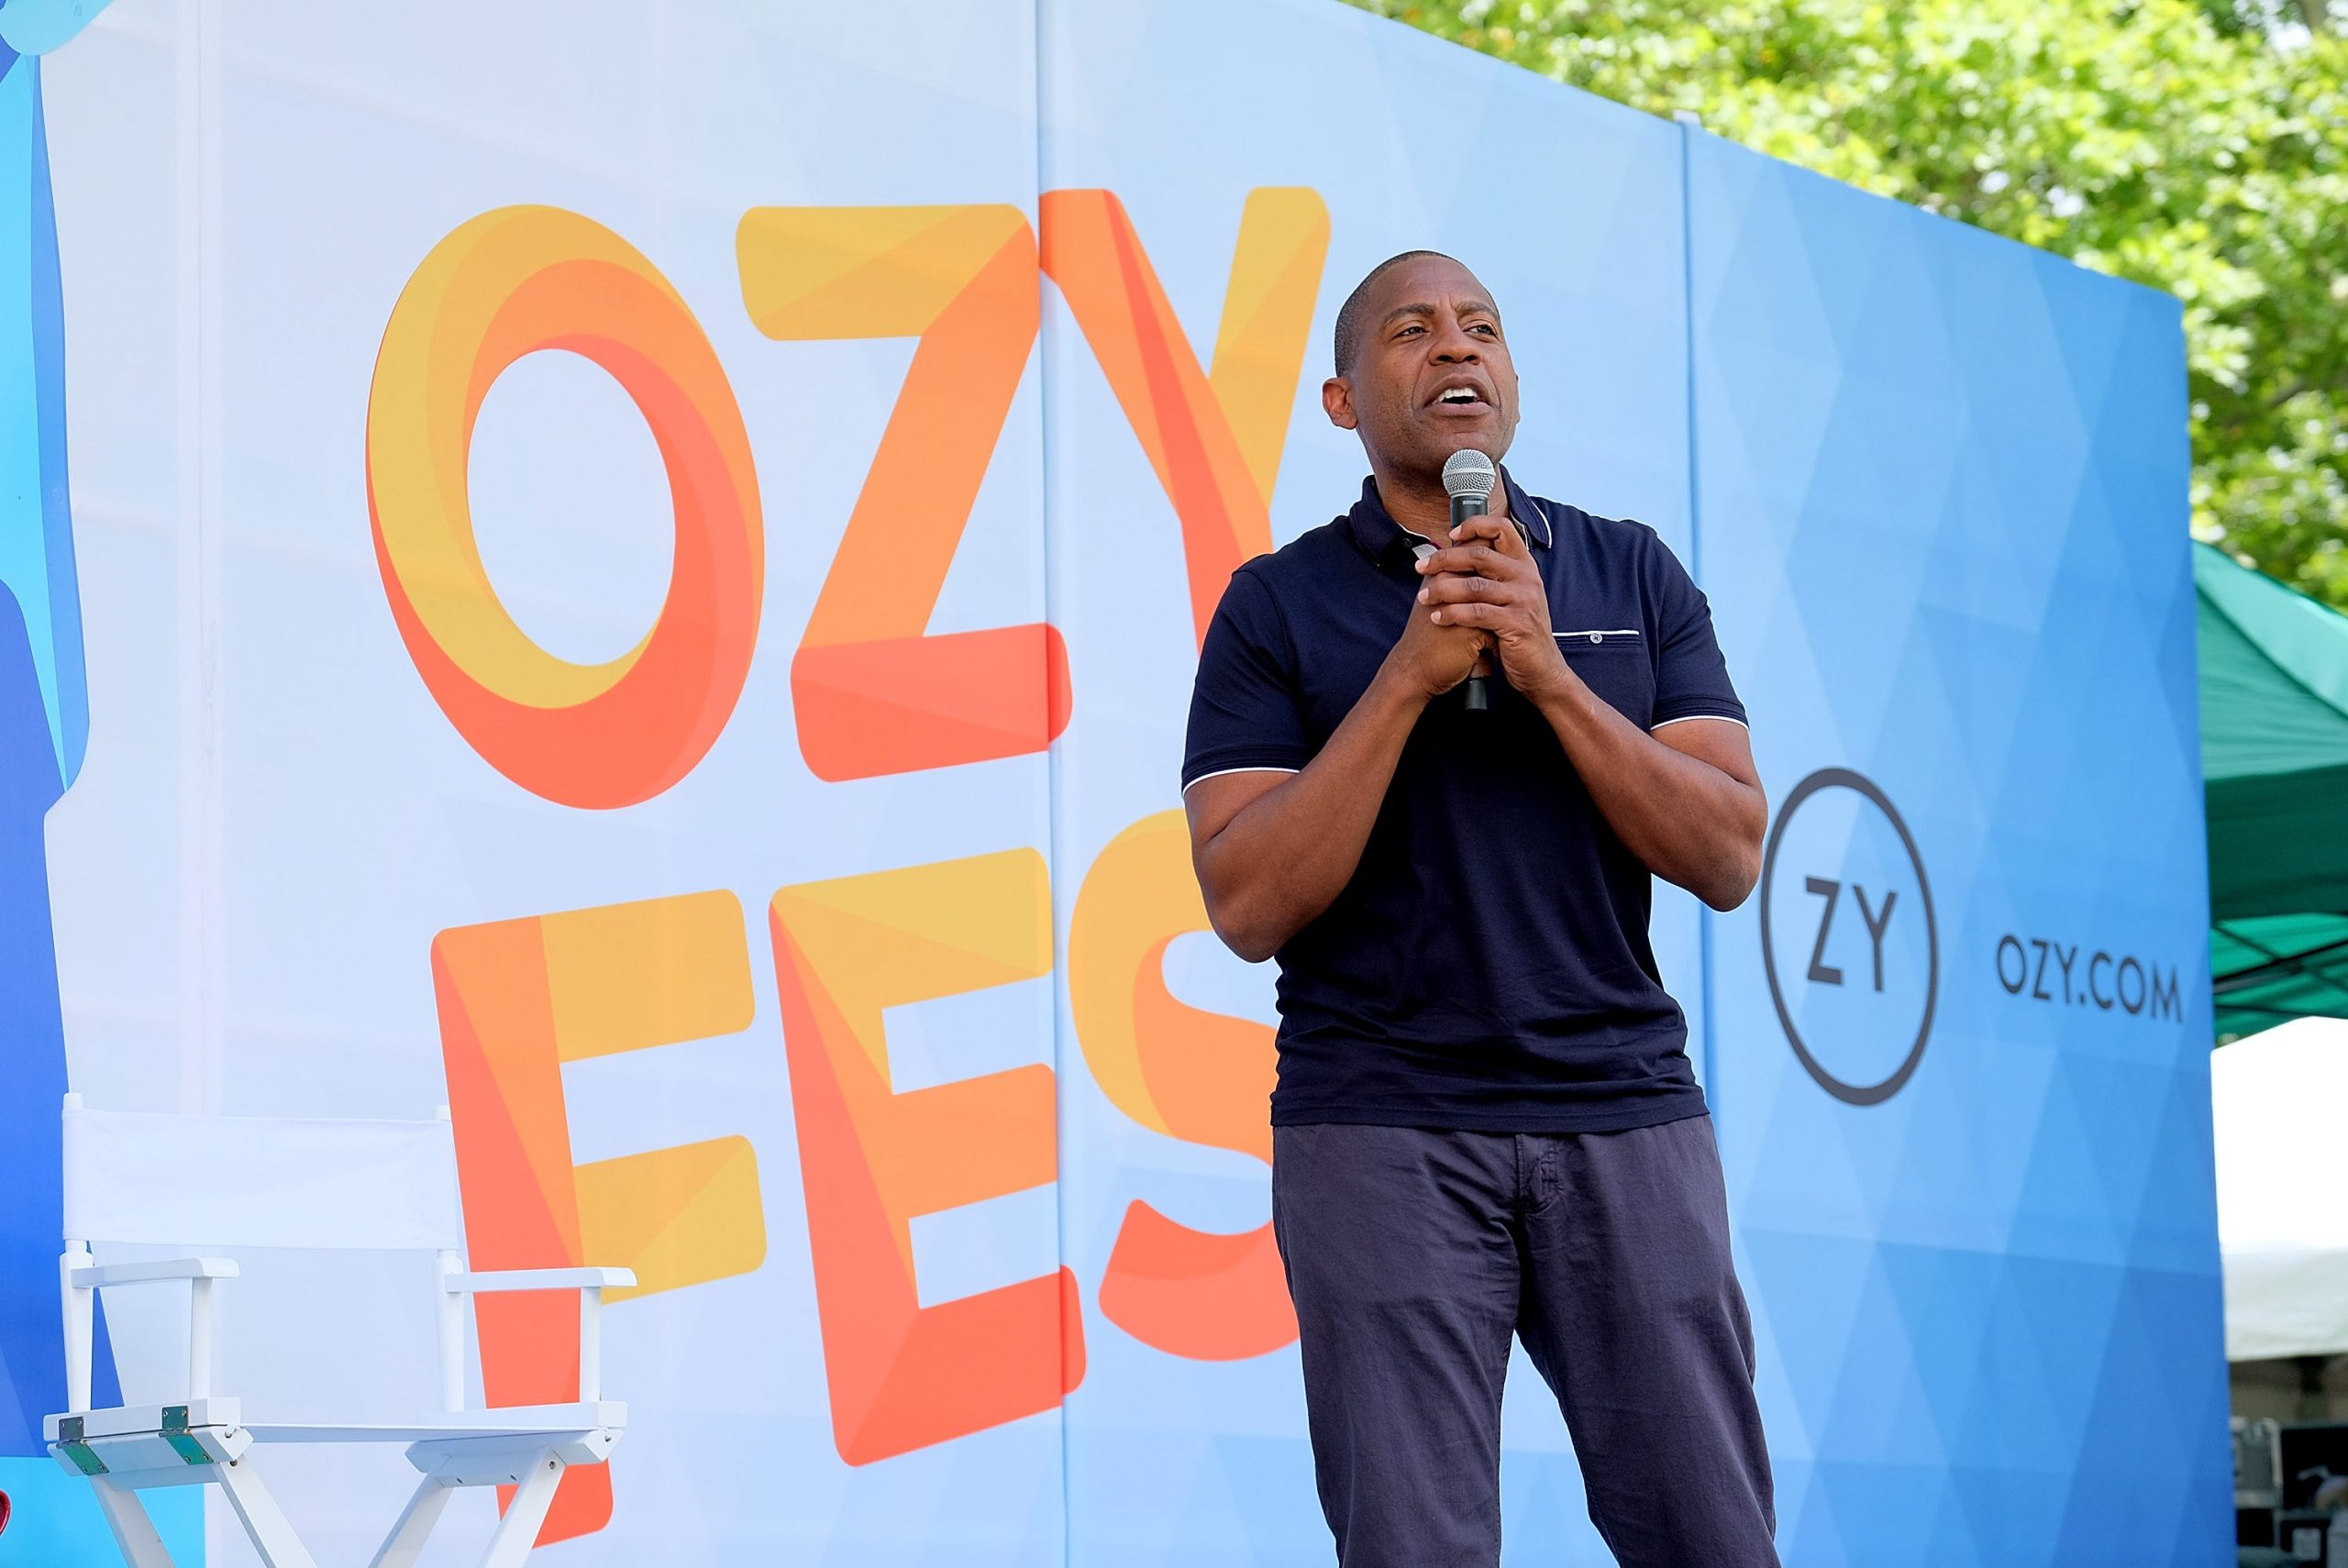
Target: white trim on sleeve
(1691,718)
(1220,771)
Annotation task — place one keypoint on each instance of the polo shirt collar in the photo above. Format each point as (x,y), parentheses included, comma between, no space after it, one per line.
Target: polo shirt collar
(1383,539)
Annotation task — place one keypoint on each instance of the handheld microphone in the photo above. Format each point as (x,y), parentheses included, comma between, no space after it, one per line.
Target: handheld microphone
(1467,477)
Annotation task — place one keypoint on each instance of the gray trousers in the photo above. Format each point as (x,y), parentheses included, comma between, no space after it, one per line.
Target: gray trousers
(1412,1257)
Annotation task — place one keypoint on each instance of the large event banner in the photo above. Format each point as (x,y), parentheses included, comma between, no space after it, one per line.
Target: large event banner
(634,572)
(1326,142)
(559,490)
(1962,1083)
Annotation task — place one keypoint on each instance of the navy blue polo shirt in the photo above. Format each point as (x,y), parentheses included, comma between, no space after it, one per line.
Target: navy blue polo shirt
(1488,967)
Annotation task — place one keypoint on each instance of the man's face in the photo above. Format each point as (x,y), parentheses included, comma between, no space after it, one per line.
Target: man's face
(1432,375)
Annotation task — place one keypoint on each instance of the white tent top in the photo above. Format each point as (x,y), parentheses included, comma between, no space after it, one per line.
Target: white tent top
(2280,1103)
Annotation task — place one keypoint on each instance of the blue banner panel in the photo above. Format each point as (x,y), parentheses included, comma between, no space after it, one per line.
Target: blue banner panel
(1962,1029)
(1263,157)
(641,575)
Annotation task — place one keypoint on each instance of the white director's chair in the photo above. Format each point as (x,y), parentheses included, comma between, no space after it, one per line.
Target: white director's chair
(135,1177)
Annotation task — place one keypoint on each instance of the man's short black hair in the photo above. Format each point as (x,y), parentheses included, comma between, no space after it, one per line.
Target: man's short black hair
(1348,342)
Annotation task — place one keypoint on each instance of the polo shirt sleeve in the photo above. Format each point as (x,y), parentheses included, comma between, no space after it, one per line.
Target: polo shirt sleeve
(1244,710)
(1690,674)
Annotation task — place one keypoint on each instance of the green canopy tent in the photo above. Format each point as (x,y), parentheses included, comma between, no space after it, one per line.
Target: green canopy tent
(2275,757)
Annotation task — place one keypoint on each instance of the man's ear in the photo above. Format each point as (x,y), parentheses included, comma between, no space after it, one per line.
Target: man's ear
(1337,400)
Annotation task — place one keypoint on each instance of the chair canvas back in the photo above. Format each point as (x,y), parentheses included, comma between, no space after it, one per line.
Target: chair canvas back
(306,1183)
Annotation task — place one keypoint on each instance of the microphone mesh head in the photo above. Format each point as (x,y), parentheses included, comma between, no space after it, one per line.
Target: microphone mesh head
(1468,472)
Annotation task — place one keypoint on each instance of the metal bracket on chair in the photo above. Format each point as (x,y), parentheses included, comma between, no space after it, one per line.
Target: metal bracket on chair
(70,1444)
(175,1433)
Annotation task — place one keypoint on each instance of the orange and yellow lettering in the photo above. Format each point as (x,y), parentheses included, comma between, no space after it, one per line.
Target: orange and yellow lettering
(518,998)
(873,693)
(1196,1076)
(1215,438)
(901,1375)
(511,282)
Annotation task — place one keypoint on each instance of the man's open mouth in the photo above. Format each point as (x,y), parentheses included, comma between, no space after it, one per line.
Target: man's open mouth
(1464,398)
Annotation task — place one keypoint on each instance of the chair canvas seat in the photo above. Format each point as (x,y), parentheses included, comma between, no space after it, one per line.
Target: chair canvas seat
(546,1422)
(144,1420)
(549,1424)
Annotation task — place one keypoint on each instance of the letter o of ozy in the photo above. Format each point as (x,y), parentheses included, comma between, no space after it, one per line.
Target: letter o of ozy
(511,282)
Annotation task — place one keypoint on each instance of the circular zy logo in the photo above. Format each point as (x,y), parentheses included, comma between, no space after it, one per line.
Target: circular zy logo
(1847,937)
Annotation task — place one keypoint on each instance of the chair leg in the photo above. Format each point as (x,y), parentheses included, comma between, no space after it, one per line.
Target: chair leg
(405,1543)
(263,1521)
(518,1530)
(134,1531)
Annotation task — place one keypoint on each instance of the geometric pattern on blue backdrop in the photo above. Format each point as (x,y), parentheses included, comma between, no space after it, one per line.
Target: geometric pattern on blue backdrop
(1939,494)
(1941,491)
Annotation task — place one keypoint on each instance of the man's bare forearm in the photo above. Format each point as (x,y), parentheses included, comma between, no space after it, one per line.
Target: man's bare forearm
(1291,851)
(1688,821)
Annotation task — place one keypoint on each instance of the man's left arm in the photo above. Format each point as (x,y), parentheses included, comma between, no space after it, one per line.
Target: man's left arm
(1686,800)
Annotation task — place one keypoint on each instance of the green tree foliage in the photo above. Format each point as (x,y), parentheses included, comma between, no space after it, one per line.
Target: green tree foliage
(2199,146)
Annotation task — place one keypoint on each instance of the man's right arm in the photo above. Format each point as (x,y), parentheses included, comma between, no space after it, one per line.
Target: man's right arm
(1273,850)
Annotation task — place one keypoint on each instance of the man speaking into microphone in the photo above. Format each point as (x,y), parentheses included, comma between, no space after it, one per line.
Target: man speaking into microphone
(1486,1124)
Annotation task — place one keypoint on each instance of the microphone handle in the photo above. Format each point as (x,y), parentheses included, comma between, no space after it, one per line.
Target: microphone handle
(1479,697)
